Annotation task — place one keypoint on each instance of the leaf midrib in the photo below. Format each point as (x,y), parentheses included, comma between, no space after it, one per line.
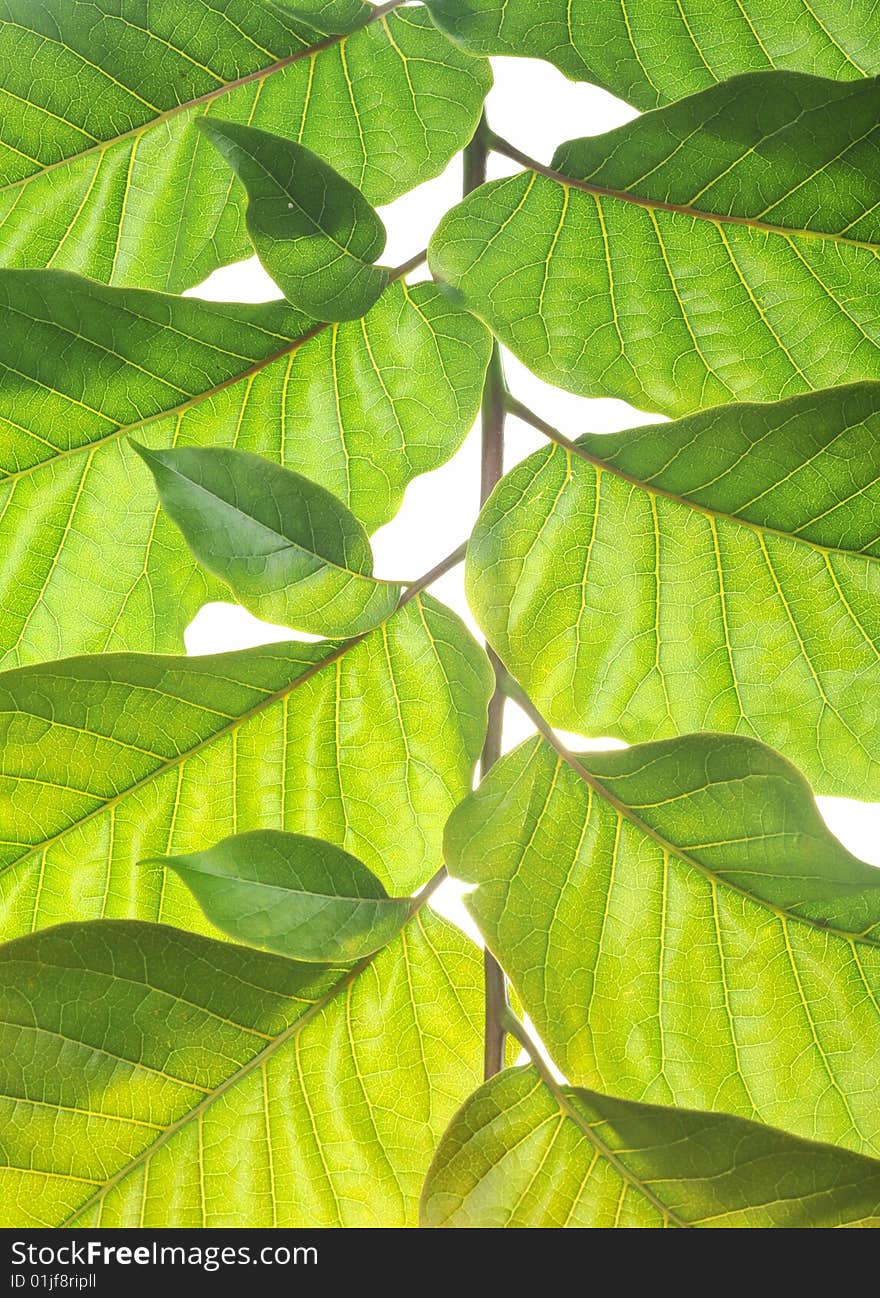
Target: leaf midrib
(209,96)
(715,881)
(413,592)
(675,850)
(256,1061)
(282,889)
(121,430)
(679,209)
(570,448)
(171,763)
(571,1113)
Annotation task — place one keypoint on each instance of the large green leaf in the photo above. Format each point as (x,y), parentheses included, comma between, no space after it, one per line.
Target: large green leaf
(287,548)
(722,249)
(360,408)
(103,172)
(721,572)
(293,895)
(109,760)
(654,51)
(153,1078)
(683,929)
(314,232)
(519,1155)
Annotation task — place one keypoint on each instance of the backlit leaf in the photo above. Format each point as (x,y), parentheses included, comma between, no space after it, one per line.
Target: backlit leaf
(360,408)
(722,249)
(102,169)
(721,572)
(683,929)
(654,51)
(109,761)
(152,1078)
(519,1156)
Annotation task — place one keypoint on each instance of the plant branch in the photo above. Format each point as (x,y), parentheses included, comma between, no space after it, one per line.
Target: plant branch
(451,561)
(404,269)
(519,411)
(492,415)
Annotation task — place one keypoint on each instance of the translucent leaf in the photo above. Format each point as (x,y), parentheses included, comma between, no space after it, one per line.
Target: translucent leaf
(360,408)
(722,249)
(654,51)
(683,929)
(102,170)
(721,572)
(153,1078)
(112,760)
(314,233)
(520,1156)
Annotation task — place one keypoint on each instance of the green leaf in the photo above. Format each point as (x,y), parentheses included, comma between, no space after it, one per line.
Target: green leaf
(287,548)
(152,1078)
(683,929)
(745,539)
(103,172)
(651,52)
(521,1156)
(361,408)
(315,233)
(723,249)
(293,895)
(109,760)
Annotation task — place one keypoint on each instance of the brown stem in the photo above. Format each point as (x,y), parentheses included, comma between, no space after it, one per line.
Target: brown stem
(494,408)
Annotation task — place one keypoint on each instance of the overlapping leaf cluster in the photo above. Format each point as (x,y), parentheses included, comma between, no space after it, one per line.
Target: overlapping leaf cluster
(224,996)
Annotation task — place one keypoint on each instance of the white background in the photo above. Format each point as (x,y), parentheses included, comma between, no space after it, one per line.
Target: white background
(534,106)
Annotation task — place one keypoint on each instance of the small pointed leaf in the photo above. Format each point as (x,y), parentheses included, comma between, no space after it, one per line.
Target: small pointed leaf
(288,549)
(293,895)
(314,232)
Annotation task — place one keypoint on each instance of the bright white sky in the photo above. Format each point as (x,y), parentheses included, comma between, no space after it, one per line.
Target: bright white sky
(534,106)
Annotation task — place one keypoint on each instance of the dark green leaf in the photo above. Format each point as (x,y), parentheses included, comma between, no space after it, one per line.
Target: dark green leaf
(296,896)
(315,233)
(288,549)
